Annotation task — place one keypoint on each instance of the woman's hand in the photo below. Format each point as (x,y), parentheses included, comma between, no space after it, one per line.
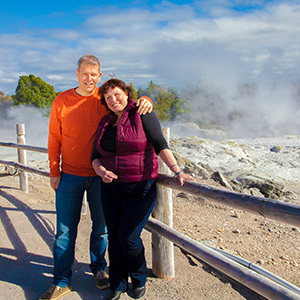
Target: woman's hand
(108,176)
(144,105)
(182,177)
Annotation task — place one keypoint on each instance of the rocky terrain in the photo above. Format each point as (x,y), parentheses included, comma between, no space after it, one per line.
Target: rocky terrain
(267,167)
(258,166)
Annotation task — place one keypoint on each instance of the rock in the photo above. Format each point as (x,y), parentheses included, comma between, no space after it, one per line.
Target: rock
(289,196)
(218,177)
(235,214)
(261,262)
(241,157)
(267,187)
(192,129)
(276,149)
(182,195)
(208,242)
(255,192)
(10,170)
(202,172)
(190,168)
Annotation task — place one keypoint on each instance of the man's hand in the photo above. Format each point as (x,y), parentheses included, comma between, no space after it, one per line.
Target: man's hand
(144,106)
(54,182)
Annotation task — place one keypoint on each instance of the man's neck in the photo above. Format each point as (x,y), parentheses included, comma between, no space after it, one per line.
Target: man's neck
(79,92)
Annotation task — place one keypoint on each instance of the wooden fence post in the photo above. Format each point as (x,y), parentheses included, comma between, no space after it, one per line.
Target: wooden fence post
(22,157)
(162,248)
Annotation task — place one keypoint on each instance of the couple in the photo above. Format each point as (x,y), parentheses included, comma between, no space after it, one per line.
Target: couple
(124,157)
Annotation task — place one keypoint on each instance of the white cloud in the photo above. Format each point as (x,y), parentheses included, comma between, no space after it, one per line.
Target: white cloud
(55,77)
(175,45)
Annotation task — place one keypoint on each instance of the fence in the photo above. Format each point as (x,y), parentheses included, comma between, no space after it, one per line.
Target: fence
(163,235)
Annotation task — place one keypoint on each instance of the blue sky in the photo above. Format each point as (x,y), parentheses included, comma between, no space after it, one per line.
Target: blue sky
(173,43)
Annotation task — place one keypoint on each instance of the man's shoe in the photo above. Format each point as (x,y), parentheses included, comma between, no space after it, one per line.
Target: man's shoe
(54,292)
(139,292)
(102,280)
(114,295)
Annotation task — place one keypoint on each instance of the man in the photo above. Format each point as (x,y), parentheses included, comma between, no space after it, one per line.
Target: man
(74,119)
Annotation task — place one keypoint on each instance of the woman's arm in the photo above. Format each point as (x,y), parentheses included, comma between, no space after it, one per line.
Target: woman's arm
(107,176)
(168,158)
(154,134)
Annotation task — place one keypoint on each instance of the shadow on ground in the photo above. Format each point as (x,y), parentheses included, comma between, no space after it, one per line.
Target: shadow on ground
(26,275)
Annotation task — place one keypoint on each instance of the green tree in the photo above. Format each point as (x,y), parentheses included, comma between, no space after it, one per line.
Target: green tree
(5,99)
(167,104)
(135,94)
(34,91)
(151,91)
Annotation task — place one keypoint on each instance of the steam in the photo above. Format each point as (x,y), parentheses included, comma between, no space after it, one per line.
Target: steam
(36,129)
(269,109)
(36,125)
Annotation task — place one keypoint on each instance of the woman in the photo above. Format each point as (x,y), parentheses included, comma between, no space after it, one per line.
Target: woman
(125,156)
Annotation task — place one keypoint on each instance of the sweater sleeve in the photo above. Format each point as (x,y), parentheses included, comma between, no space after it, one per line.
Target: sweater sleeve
(54,141)
(95,152)
(153,132)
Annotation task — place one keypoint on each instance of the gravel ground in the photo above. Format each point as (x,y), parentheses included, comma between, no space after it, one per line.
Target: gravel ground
(27,234)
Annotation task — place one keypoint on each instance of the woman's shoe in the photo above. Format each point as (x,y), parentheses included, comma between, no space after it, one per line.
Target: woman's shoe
(114,295)
(139,292)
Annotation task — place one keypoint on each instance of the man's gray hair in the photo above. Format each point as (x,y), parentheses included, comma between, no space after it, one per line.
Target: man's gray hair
(88,59)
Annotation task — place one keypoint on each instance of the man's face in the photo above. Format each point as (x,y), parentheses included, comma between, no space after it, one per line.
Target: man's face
(88,77)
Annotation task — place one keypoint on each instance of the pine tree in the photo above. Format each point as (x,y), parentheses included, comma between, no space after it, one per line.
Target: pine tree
(34,91)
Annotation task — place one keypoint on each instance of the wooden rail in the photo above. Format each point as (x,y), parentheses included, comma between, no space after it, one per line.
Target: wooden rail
(25,147)
(164,235)
(266,207)
(25,168)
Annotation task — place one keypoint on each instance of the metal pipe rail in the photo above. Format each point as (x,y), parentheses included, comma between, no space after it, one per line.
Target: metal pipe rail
(259,270)
(262,285)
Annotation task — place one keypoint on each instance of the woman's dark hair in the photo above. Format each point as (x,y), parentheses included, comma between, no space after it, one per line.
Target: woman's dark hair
(112,83)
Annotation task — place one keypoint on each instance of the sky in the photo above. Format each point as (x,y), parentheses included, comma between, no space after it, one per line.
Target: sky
(218,44)
(172,43)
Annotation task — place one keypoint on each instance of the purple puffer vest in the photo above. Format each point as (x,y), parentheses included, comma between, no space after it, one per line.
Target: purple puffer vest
(135,159)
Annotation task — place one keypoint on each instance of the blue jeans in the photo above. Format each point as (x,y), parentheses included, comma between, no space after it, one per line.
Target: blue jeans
(127,207)
(68,208)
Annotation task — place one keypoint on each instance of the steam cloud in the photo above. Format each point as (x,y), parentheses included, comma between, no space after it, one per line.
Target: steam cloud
(36,130)
(267,110)
(36,125)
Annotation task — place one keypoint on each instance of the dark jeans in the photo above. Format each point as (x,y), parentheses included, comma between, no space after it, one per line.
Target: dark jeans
(68,207)
(127,207)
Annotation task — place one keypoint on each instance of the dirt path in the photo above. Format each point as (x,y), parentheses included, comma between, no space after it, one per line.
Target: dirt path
(27,234)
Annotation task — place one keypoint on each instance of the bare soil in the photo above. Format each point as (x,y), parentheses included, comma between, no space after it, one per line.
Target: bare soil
(28,228)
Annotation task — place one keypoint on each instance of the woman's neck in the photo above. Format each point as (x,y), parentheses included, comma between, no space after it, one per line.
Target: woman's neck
(118,119)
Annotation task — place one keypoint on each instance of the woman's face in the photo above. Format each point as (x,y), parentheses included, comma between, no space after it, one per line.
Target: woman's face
(116,100)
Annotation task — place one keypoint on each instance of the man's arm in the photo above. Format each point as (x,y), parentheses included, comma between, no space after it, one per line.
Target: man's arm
(54,147)
(145,105)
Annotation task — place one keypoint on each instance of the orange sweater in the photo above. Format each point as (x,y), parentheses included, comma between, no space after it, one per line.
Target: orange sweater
(73,124)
